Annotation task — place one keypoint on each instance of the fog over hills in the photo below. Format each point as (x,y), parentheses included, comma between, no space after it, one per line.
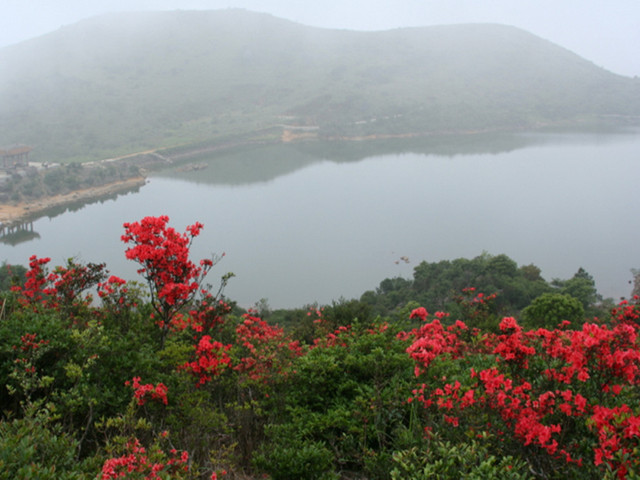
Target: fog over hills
(122,83)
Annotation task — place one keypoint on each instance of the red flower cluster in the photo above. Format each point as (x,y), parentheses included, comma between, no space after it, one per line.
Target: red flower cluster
(29,352)
(143,392)
(60,287)
(584,372)
(163,254)
(116,297)
(628,312)
(433,339)
(208,313)
(268,351)
(36,278)
(618,435)
(211,360)
(111,286)
(29,342)
(512,344)
(420,313)
(609,353)
(138,461)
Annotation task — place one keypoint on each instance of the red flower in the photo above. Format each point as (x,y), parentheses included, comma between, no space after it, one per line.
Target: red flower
(420,313)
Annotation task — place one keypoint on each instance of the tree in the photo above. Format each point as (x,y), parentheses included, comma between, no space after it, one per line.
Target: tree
(502,265)
(549,309)
(531,273)
(580,286)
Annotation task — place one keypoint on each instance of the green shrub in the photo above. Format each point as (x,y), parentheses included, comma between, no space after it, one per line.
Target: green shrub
(549,309)
(443,460)
(35,448)
(293,459)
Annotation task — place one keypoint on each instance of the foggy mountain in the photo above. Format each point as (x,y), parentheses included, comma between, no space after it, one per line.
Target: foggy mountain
(122,83)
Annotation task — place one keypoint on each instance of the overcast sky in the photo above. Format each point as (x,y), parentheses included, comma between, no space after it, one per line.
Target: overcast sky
(606,32)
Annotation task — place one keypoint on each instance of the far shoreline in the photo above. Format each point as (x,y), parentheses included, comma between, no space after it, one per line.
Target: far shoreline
(16,213)
(13,214)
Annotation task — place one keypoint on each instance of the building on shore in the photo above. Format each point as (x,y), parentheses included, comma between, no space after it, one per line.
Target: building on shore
(14,156)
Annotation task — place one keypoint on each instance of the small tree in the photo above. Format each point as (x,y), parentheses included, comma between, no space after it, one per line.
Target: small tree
(163,253)
(580,286)
(549,309)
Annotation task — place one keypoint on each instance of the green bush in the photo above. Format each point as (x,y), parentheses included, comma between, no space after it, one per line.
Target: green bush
(444,460)
(549,309)
(36,448)
(293,459)
(348,395)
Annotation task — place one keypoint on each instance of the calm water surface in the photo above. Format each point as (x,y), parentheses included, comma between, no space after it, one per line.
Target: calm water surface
(312,222)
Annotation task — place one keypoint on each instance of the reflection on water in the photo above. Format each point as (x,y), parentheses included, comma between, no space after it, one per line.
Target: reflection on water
(313,222)
(254,164)
(18,233)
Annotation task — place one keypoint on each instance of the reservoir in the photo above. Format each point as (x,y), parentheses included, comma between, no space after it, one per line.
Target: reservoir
(314,221)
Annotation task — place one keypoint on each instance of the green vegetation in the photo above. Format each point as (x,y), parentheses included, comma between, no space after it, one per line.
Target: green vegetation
(32,184)
(11,275)
(178,382)
(551,309)
(118,84)
(439,285)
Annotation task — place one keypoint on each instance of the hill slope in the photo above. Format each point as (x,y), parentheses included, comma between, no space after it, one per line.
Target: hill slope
(127,82)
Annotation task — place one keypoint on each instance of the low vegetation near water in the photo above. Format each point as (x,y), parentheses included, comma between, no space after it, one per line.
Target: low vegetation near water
(511,378)
(31,183)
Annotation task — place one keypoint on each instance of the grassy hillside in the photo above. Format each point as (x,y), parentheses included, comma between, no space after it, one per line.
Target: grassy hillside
(120,83)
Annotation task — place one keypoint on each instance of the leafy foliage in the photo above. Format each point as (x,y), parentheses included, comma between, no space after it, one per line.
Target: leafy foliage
(11,275)
(551,309)
(88,391)
(439,285)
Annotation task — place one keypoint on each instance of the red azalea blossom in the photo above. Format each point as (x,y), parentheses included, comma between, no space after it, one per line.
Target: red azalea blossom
(137,461)
(420,313)
(538,417)
(163,256)
(211,360)
(143,392)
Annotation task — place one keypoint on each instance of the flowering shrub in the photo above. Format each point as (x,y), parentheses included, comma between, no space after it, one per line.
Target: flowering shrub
(561,391)
(59,288)
(207,313)
(138,463)
(163,255)
(433,339)
(627,312)
(493,399)
(267,351)
(211,359)
(34,289)
(477,308)
(143,392)
(25,378)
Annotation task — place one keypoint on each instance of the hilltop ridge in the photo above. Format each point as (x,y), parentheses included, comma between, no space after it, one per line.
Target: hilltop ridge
(122,83)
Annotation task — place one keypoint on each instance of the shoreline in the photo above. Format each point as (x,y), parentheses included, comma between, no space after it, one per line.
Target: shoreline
(11,214)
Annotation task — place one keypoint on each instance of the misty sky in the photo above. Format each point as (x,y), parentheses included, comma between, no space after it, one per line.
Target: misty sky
(606,32)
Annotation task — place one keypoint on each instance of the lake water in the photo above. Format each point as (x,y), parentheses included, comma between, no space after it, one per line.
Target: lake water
(313,222)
